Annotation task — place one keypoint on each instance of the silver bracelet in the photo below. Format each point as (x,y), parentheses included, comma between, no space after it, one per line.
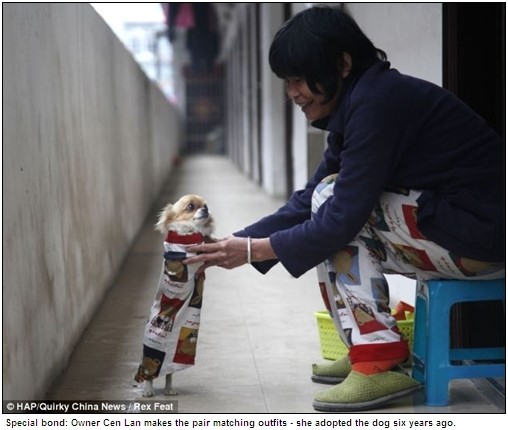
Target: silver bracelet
(249,249)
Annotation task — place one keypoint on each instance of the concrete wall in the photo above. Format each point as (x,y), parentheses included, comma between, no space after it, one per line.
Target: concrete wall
(410,34)
(87,143)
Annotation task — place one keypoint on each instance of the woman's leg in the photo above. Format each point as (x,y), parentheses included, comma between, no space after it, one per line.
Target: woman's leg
(356,294)
(410,253)
(361,299)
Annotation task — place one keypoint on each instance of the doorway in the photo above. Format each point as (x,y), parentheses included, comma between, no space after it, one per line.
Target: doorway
(474,69)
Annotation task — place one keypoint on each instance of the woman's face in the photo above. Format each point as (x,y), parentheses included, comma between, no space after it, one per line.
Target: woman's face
(310,103)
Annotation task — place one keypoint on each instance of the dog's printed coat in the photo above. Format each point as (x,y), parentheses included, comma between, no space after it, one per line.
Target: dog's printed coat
(171,331)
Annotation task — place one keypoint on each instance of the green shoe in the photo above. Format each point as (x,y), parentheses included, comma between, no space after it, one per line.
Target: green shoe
(361,392)
(331,373)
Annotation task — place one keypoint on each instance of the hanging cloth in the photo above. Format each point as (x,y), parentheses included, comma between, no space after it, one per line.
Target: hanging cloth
(185,17)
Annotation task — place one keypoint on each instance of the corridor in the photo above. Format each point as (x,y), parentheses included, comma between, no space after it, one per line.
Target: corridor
(258,335)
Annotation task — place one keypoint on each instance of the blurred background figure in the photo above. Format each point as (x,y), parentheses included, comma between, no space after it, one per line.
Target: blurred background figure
(193,31)
(177,45)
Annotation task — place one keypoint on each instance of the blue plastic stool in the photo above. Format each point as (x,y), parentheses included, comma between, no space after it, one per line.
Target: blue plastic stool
(432,354)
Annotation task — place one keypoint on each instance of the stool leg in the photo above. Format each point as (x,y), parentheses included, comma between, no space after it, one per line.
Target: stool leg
(438,347)
(420,339)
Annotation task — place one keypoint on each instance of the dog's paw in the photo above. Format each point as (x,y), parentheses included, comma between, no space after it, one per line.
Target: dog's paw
(170,392)
(149,391)
(168,388)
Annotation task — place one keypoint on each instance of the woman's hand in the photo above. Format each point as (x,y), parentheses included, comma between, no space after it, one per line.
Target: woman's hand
(230,252)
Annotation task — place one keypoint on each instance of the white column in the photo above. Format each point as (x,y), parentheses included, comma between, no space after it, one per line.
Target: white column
(272,107)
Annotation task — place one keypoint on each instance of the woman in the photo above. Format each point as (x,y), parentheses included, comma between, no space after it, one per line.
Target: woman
(411,183)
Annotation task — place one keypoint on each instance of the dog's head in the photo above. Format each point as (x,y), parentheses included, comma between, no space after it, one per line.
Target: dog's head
(188,215)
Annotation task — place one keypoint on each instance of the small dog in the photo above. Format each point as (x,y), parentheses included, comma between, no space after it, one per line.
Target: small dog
(188,215)
(171,331)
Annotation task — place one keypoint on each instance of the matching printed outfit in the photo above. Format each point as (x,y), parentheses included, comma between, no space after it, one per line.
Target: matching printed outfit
(352,281)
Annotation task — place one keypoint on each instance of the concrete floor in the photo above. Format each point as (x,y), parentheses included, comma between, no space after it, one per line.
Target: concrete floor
(258,336)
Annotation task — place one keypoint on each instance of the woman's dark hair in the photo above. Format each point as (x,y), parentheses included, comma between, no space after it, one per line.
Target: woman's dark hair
(310,45)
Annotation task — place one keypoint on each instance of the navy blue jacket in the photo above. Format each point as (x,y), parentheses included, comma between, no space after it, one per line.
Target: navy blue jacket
(393,131)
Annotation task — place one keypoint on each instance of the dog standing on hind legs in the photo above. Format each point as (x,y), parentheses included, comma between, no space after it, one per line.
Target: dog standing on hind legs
(171,332)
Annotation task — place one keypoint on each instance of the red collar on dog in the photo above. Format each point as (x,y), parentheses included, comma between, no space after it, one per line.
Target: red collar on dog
(186,239)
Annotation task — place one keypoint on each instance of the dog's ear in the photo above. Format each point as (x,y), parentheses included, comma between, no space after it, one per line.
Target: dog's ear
(165,217)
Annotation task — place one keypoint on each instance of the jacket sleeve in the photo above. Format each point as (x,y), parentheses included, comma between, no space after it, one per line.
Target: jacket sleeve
(297,210)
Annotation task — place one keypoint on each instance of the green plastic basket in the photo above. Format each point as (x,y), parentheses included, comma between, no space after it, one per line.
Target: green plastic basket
(332,346)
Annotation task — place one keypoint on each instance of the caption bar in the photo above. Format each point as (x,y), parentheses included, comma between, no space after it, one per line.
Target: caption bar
(89,406)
